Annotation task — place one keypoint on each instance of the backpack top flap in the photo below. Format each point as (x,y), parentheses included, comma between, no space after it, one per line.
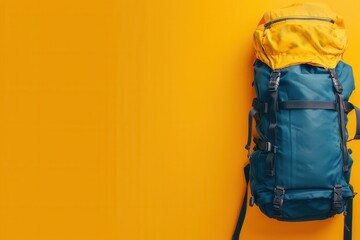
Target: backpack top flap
(301,33)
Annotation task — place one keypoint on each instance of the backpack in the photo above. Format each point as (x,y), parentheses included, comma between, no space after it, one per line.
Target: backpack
(300,165)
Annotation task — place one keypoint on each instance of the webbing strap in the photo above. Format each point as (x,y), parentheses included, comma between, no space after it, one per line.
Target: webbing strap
(251,115)
(262,107)
(269,164)
(243,206)
(336,83)
(337,199)
(342,123)
(348,212)
(279,193)
(341,115)
(304,104)
(348,108)
(273,107)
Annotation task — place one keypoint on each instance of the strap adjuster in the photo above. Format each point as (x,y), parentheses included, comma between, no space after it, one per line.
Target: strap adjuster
(269,147)
(264,146)
(338,197)
(278,198)
(274,81)
(252,201)
(335,80)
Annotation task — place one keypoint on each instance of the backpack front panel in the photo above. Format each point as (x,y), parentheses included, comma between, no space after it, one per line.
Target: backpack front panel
(308,160)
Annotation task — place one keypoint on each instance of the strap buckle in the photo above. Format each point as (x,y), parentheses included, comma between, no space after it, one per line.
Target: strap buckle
(278,198)
(252,201)
(274,81)
(335,80)
(269,147)
(338,197)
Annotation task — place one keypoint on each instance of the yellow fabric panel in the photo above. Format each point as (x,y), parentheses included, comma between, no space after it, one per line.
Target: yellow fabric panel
(302,39)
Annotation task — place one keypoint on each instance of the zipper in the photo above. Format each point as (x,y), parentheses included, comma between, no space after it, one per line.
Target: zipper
(268,24)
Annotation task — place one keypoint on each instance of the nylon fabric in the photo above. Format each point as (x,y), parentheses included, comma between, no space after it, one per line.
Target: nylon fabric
(311,41)
(308,156)
(296,104)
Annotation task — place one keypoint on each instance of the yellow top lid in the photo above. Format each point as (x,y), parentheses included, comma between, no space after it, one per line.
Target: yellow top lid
(301,33)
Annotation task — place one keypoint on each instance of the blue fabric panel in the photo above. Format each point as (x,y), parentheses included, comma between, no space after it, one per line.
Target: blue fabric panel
(308,162)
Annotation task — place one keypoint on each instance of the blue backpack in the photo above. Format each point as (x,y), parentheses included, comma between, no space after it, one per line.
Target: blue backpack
(300,165)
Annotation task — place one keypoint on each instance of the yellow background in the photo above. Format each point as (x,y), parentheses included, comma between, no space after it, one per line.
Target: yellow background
(127,120)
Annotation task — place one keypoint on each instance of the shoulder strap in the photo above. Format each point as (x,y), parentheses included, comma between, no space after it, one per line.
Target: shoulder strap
(348,220)
(252,114)
(348,108)
(357,134)
(243,207)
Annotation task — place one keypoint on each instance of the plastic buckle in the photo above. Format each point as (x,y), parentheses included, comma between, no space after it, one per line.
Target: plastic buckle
(336,82)
(269,147)
(278,198)
(338,197)
(337,86)
(274,81)
(252,201)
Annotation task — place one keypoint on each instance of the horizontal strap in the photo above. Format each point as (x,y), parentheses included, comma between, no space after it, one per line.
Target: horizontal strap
(301,104)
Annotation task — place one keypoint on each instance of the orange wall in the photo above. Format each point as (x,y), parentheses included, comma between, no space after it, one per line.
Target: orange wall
(127,120)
